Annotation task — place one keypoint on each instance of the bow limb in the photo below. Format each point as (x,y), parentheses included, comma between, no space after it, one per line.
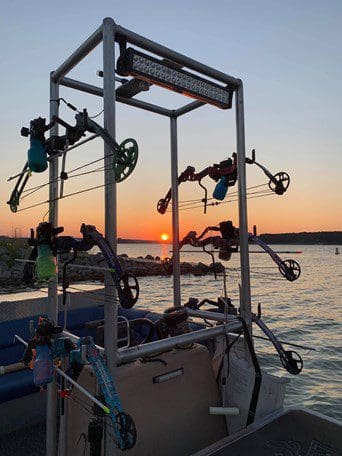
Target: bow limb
(128,292)
(290,269)
(266,248)
(23,177)
(183,177)
(278,182)
(291,360)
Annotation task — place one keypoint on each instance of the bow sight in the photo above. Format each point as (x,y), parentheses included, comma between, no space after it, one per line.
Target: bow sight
(125,155)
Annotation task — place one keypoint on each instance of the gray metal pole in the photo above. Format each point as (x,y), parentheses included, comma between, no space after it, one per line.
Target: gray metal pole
(97,91)
(87,46)
(110,334)
(129,354)
(245,304)
(51,412)
(189,107)
(175,213)
(110,305)
(132,353)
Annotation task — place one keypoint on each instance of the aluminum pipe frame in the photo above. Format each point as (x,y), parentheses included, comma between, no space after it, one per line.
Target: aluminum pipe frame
(245,297)
(175,213)
(81,52)
(51,411)
(94,90)
(140,351)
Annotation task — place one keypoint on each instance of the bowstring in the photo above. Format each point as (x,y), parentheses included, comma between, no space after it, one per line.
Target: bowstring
(217,203)
(65,196)
(197,200)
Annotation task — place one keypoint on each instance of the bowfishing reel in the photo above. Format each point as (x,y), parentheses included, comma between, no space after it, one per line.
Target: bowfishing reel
(37,153)
(39,351)
(36,158)
(43,253)
(228,179)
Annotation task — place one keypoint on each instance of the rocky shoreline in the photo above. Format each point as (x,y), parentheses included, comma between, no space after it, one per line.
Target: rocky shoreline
(11,271)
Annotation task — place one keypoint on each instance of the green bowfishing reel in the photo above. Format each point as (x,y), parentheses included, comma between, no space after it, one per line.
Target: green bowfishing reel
(46,268)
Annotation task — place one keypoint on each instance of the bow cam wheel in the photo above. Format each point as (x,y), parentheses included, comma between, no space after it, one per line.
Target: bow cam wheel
(162,206)
(290,269)
(129,290)
(279,183)
(126,159)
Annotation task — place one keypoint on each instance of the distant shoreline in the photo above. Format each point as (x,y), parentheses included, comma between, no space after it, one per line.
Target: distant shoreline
(303,238)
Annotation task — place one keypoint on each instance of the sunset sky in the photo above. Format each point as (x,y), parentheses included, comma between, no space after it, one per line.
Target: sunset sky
(286,52)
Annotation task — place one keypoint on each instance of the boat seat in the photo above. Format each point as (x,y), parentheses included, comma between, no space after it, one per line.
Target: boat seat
(11,351)
(171,416)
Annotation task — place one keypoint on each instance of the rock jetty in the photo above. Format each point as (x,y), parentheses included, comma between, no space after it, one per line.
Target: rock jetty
(11,271)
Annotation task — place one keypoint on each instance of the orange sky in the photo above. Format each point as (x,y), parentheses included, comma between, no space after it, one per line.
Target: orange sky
(138,217)
(292,112)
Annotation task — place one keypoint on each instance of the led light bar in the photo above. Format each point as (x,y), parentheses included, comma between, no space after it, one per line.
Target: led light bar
(162,73)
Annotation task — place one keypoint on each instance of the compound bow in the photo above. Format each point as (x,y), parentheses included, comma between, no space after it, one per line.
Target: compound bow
(48,345)
(46,244)
(125,155)
(225,174)
(228,243)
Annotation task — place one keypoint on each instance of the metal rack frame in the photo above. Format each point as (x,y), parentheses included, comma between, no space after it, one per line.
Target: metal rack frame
(108,34)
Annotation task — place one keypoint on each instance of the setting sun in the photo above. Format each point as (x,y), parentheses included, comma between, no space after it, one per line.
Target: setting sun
(164,237)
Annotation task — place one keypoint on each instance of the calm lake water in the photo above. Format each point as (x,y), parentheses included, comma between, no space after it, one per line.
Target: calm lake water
(307,312)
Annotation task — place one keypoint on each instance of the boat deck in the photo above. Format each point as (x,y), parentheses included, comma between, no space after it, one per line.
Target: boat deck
(25,441)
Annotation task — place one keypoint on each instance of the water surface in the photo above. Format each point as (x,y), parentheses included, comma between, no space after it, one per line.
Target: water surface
(306,311)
